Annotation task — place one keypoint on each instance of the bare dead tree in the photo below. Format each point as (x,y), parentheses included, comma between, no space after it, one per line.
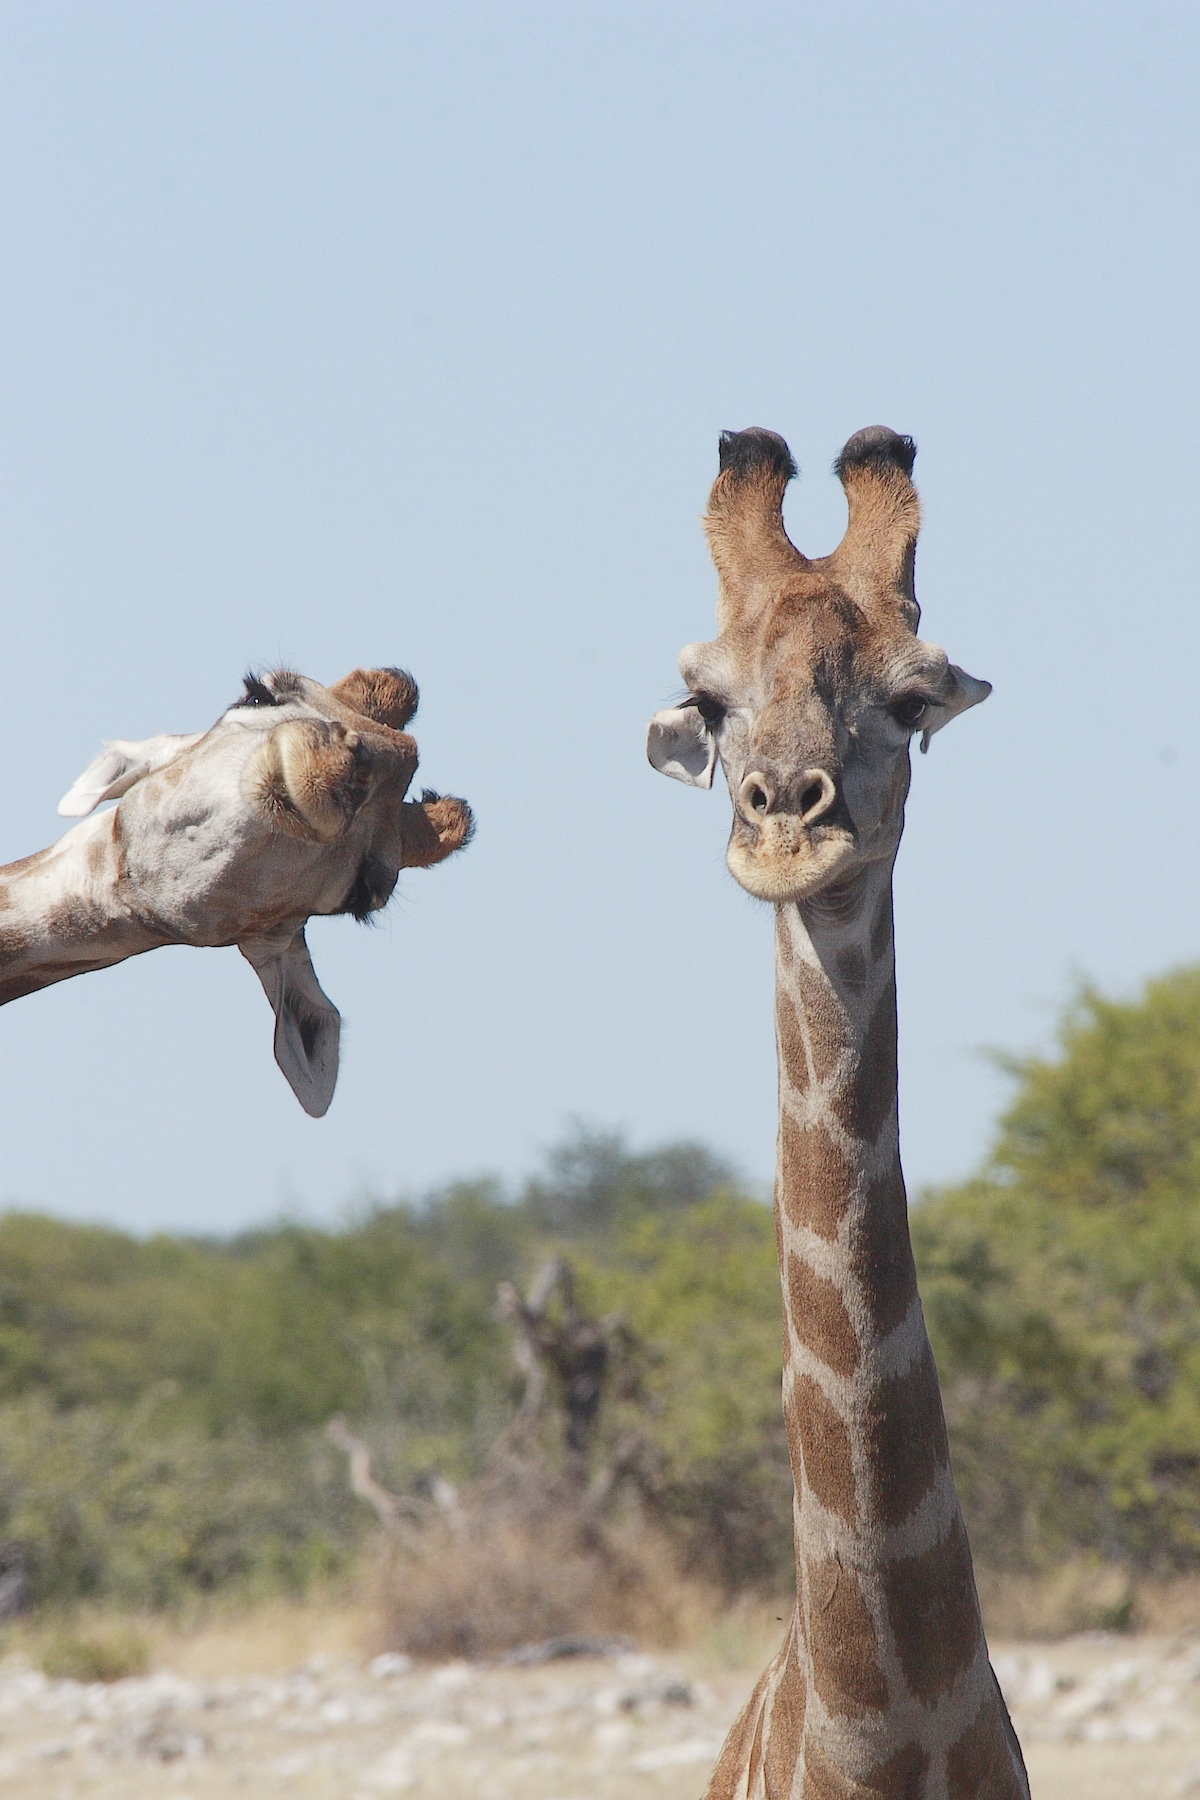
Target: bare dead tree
(400,1515)
(584,1356)
(524,1314)
(559,1349)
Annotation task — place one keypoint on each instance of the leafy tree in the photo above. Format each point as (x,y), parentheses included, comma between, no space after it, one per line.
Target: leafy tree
(1063,1293)
(593,1184)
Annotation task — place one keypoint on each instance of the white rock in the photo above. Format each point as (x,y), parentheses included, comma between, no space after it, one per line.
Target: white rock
(391,1662)
(669,1756)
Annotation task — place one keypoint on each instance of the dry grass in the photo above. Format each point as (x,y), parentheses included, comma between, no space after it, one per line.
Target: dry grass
(1080,1595)
(509,1580)
(1086,1594)
(209,1640)
(506,1586)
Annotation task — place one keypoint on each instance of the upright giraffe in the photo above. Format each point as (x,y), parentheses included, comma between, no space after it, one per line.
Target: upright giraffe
(292,804)
(809,696)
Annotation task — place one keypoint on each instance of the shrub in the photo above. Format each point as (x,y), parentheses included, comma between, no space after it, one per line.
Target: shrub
(96,1503)
(1063,1296)
(512,1580)
(110,1655)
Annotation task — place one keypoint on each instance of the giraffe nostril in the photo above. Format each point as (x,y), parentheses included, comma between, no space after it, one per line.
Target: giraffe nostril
(756,796)
(817,795)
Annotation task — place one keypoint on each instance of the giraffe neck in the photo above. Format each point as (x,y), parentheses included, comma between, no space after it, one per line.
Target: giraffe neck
(886,1658)
(61,911)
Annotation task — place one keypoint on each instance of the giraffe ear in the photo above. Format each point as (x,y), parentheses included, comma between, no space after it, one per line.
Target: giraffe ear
(680,744)
(116,769)
(965,691)
(307,1023)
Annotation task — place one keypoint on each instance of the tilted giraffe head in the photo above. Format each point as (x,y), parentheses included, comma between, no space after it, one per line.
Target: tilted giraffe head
(817,682)
(292,804)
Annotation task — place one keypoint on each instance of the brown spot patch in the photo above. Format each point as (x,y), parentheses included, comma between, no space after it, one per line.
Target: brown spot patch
(869,1096)
(171,774)
(934,1614)
(817,1182)
(845,1656)
(820,1448)
(829,1028)
(981,1763)
(906,1439)
(25,865)
(754,1763)
(821,1780)
(729,1776)
(819,1317)
(69,921)
(785,1731)
(901,1777)
(792,1051)
(881,1253)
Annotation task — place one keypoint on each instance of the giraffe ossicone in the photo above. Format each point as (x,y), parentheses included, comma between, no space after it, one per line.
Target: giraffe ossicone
(809,698)
(292,805)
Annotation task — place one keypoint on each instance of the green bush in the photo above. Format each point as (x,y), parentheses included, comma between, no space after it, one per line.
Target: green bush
(105,1503)
(95,1655)
(1063,1295)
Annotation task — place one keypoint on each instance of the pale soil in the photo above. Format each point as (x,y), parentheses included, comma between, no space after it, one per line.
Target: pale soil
(290,1701)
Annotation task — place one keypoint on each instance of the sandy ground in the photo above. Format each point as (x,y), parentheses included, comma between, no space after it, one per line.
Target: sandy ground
(232,1711)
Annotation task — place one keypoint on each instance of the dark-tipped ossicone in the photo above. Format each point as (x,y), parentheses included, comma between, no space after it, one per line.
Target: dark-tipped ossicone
(754,451)
(876,444)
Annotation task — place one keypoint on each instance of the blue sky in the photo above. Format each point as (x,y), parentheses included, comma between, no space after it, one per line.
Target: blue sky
(390,333)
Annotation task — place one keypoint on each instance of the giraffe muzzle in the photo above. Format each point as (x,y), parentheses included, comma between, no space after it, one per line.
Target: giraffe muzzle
(790,837)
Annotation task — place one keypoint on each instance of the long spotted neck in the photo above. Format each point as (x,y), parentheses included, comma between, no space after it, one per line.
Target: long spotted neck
(61,911)
(883,1686)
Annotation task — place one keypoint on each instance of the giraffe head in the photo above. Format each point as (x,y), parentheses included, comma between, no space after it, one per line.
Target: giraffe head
(292,804)
(817,682)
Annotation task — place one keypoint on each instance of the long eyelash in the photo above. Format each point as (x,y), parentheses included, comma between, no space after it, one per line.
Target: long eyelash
(716,709)
(257,692)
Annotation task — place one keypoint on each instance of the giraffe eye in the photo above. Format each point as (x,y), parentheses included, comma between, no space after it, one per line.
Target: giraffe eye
(710,709)
(257,694)
(910,711)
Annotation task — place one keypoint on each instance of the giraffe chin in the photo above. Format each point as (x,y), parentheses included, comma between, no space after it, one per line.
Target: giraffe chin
(779,873)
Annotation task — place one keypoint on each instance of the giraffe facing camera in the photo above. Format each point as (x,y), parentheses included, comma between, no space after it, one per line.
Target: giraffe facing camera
(809,697)
(292,805)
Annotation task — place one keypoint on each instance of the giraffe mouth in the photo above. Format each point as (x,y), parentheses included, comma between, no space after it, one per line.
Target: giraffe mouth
(780,861)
